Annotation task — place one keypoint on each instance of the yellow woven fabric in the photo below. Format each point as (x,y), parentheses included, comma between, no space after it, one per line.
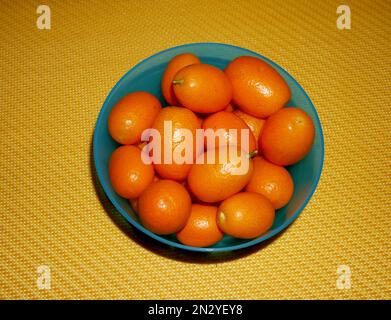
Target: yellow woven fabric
(53,83)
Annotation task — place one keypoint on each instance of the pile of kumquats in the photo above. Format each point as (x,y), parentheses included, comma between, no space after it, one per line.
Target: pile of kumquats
(164,165)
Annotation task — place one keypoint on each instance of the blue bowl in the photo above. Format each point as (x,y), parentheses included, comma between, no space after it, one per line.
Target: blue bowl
(146,76)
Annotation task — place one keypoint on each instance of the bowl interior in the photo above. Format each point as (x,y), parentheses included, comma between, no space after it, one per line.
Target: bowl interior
(146,76)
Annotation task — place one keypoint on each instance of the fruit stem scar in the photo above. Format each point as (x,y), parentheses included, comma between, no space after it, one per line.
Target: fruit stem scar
(252,154)
(180,81)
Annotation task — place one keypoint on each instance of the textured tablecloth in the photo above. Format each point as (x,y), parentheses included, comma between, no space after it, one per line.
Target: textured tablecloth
(54,213)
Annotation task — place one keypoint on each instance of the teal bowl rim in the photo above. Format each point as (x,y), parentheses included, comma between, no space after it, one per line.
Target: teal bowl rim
(138,225)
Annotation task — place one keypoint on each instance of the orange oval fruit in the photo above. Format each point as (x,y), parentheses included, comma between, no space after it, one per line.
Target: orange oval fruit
(255,124)
(202,88)
(225,121)
(132,115)
(287,136)
(180,119)
(272,181)
(213,181)
(258,89)
(177,63)
(164,207)
(245,215)
(201,228)
(129,175)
